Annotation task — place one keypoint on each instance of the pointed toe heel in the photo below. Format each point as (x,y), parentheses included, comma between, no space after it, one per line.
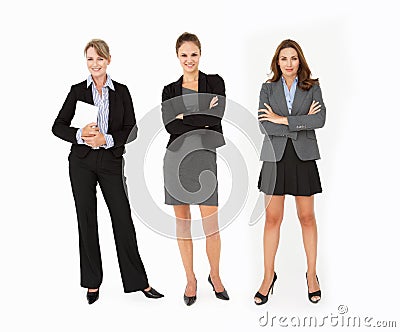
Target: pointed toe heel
(92,297)
(189,300)
(152,294)
(220,295)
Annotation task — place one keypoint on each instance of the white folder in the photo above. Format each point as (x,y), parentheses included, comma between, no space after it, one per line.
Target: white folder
(84,114)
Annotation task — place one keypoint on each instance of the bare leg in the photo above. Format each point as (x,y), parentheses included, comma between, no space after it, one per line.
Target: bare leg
(213,243)
(185,244)
(273,219)
(305,212)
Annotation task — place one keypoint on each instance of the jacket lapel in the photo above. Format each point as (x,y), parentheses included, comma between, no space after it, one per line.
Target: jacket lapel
(279,96)
(111,106)
(298,100)
(178,87)
(176,100)
(202,87)
(89,95)
(204,99)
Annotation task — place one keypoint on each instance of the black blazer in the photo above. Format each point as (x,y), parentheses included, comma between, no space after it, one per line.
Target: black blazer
(208,87)
(121,118)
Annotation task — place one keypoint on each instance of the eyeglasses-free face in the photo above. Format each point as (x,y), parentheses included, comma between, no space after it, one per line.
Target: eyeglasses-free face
(96,64)
(289,62)
(189,57)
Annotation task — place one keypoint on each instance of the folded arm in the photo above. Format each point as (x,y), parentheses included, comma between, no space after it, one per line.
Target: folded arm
(212,115)
(309,121)
(172,125)
(267,127)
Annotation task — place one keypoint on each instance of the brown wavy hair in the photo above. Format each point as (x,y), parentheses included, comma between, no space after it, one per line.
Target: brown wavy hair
(304,73)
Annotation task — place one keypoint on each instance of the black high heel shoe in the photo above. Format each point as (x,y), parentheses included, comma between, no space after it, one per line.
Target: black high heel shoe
(220,295)
(152,293)
(316,293)
(264,298)
(92,297)
(189,300)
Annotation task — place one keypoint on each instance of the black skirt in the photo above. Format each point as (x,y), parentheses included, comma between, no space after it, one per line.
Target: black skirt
(290,175)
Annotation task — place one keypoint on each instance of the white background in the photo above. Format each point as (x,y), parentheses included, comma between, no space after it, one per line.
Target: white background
(354,51)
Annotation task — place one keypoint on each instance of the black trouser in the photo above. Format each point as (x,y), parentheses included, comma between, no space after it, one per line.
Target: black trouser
(101,166)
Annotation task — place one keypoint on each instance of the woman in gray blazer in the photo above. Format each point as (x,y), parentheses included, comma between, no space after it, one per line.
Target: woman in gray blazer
(290,108)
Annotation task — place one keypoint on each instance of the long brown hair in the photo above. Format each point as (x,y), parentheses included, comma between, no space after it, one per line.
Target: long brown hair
(304,73)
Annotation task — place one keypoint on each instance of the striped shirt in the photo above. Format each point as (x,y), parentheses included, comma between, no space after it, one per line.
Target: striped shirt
(289,94)
(102,102)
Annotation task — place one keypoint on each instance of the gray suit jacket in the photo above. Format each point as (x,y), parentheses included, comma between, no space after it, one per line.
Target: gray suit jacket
(301,125)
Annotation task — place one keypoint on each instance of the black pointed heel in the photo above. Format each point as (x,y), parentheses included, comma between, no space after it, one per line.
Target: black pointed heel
(189,300)
(264,298)
(316,293)
(152,293)
(220,295)
(92,297)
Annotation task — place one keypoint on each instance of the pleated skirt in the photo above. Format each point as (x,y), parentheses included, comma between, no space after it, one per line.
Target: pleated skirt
(290,175)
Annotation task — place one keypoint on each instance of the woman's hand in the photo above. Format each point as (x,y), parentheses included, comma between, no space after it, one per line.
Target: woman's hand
(95,140)
(314,108)
(214,102)
(179,116)
(90,129)
(269,115)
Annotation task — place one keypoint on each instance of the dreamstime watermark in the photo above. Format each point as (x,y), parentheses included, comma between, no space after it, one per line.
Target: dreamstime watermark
(339,319)
(153,170)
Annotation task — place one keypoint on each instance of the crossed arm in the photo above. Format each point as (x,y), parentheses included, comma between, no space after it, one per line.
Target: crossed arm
(274,124)
(177,122)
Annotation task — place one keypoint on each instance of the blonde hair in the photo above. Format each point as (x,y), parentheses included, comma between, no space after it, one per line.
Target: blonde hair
(100,46)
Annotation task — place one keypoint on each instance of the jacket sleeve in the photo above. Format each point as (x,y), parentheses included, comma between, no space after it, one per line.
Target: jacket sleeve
(172,125)
(267,127)
(209,117)
(312,121)
(62,124)
(129,129)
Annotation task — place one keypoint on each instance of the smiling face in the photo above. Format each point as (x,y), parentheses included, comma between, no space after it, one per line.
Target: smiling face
(189,57)
(289,62)
(96,64)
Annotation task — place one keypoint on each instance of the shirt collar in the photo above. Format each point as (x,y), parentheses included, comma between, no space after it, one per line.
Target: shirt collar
(295,80)
(109,82)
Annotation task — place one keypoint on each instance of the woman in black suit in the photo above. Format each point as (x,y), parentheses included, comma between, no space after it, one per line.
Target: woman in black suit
(96,157)
(192,109)
(291,107)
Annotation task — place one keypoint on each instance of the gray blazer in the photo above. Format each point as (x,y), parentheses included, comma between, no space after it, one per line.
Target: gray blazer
(301,125)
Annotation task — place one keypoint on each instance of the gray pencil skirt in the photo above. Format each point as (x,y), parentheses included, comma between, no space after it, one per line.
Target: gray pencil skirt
(190,174)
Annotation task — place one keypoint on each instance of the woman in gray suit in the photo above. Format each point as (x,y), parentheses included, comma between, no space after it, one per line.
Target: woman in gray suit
(290,108)
(192,111)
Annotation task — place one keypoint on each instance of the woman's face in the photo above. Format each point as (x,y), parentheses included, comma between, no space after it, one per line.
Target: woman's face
(189,56)
(96,64)
(289,62)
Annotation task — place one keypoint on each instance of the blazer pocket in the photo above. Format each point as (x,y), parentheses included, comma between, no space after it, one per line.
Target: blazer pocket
(311,134)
